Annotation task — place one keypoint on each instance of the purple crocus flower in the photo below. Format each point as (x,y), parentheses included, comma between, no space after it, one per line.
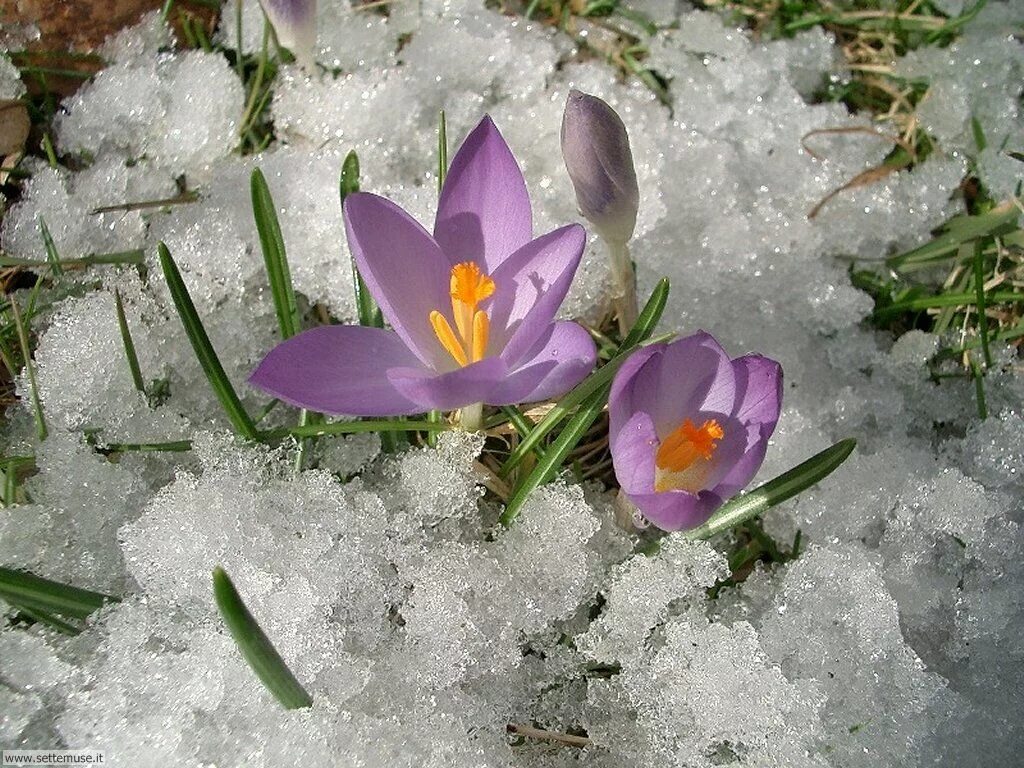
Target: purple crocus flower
(472,306)
(689,427)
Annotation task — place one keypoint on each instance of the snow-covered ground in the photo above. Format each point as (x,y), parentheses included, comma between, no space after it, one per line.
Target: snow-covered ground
(896,639)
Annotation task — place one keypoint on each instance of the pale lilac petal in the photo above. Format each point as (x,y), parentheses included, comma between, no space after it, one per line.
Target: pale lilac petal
(733,446)
(475,383)
(338,369)
(484,212)
(758,390)
(634,447)
(745,468)
(404,269)
(530,287)
(621,405)
(558,362)
(676,510)
(697,373)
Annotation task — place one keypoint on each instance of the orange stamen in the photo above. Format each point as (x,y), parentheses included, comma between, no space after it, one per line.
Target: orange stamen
(481,327)
(446,336)
(468,287)
(679,453)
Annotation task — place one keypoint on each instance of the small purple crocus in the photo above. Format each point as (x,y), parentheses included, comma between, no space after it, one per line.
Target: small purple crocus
(689,427)
(472,306)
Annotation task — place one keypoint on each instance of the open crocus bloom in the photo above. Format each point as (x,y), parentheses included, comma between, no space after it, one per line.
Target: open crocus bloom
(689,427)
(472,306)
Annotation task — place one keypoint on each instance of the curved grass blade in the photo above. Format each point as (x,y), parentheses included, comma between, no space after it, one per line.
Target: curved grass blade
(208,359)
(52,257)
(556,453)
(640,332)
(21,588)
(129,345)
(787,485)
(30,369)
(274,255)
(255,646)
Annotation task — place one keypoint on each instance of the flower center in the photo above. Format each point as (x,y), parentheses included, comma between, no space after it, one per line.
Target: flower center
(469,286)
(683,457)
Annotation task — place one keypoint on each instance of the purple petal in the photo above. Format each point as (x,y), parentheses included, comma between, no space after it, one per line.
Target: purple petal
(676,510)
(621,405)
(558,362)
(692,374)
(404,269)
(475,383)
(530,286)
(745,468)
(484,213)
(634,447)
(758,390)
(338,369)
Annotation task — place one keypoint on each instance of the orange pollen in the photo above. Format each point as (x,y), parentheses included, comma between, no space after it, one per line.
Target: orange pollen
(687,444)
(469,285)
(467,342)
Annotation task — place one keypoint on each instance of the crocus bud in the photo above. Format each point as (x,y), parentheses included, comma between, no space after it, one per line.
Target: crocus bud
(294,23)
(595,148)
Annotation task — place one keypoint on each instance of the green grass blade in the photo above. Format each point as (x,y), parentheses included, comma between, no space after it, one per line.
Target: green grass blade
(442,150)
(979,290)
(129,345)
(208,359)
(556,453)
(274,255)
(43,617)
(255,646)
(957,231)
(353,427)
(944,300)
(37,593)
(641,331)
(30,369)
(136,256)
(52,257)
(979,389)
(739,509)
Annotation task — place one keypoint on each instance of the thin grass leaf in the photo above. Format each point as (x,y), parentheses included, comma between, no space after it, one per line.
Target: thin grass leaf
(30,369)
(979,289)
(208,359)
(739,509)
(42,617)
(944,300)
(353,427)
(553,457)
(959,230)
(171,446)
(129,345)
(10,483)
(255,646)
(52,257)
(136,256)
(34,592)
(641,331)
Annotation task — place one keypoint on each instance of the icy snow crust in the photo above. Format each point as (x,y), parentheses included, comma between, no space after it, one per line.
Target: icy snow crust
(894,640)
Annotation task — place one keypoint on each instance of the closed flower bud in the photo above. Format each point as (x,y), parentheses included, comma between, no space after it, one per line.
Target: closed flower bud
(595,148)
(294,23)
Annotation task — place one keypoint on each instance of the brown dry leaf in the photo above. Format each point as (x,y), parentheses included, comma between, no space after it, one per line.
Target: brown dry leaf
(862,179)
(14,126)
